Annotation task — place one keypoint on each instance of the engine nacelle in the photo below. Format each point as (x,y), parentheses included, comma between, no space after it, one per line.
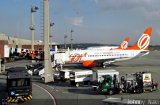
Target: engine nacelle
(89,64)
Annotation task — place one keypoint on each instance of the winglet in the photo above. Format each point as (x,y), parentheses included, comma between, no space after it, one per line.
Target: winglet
(124,44)
(143,42)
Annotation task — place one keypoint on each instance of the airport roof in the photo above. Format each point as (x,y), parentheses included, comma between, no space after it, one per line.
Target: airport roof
(22,41)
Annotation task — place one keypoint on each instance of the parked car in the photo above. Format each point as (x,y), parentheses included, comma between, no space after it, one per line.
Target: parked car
(34,69)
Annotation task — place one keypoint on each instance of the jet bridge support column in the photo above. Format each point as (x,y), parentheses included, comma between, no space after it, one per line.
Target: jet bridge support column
(49,77)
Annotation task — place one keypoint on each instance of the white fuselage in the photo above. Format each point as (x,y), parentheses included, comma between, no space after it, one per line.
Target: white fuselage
(102,48)
(106,55)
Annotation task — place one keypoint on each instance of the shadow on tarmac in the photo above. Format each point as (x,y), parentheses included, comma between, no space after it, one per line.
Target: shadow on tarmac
(88,91)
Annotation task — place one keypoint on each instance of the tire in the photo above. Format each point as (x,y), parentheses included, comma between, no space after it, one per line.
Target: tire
(144,90)
(111,92)
(89,83)
(77,84)
(120,92)
(43,79)
(154,87)
(134,91)
(99,91)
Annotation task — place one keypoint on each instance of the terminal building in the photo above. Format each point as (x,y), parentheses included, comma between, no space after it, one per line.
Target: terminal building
(9,44)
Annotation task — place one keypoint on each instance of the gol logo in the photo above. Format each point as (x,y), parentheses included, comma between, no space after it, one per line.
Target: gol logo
(143,42)
(124,45)
(76,57)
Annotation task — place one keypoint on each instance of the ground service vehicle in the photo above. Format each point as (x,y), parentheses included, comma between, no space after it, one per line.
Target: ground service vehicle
(19,86)
(109,85)
(97,75)
(81,76)
(148,82)
(64,74)
(138,82)
(132,83)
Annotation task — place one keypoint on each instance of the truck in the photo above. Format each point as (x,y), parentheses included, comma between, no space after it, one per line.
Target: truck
(109,84)
(19,86)
(132,83)
(148,82)
(64,74)
(138,82)
(98,74)
(80,76)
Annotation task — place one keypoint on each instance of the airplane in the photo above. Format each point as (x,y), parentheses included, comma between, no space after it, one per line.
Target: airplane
(75,57)
(93,58)
(123,45)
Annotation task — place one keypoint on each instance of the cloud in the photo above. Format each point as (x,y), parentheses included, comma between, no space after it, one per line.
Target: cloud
(126,4)
(149,8)
(76,21)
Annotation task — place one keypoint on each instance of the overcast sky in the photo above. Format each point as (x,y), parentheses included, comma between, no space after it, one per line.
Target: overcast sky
(92,21)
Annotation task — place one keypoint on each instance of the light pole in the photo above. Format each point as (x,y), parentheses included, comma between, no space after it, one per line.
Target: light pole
(65,41)
(50,36)
(33,9)
(71,39)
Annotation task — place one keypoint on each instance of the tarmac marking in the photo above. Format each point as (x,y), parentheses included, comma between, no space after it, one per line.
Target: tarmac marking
(55,90)
(53,97)
(65,92)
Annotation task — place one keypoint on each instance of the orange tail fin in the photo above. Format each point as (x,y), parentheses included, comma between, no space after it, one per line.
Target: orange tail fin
(143,42)
(124,44)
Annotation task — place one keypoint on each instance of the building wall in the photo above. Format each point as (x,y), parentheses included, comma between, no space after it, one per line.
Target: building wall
(2,43)
(14,42)
(36,47)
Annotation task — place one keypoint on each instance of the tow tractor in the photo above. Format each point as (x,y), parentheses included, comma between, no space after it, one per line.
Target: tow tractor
(130,83)
(109,85)
(138,83)
(106,81)
(19,86)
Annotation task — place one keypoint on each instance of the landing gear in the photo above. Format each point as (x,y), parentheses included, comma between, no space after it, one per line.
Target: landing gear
(104,66)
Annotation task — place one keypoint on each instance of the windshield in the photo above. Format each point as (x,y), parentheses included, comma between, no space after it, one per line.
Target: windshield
(18,82)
